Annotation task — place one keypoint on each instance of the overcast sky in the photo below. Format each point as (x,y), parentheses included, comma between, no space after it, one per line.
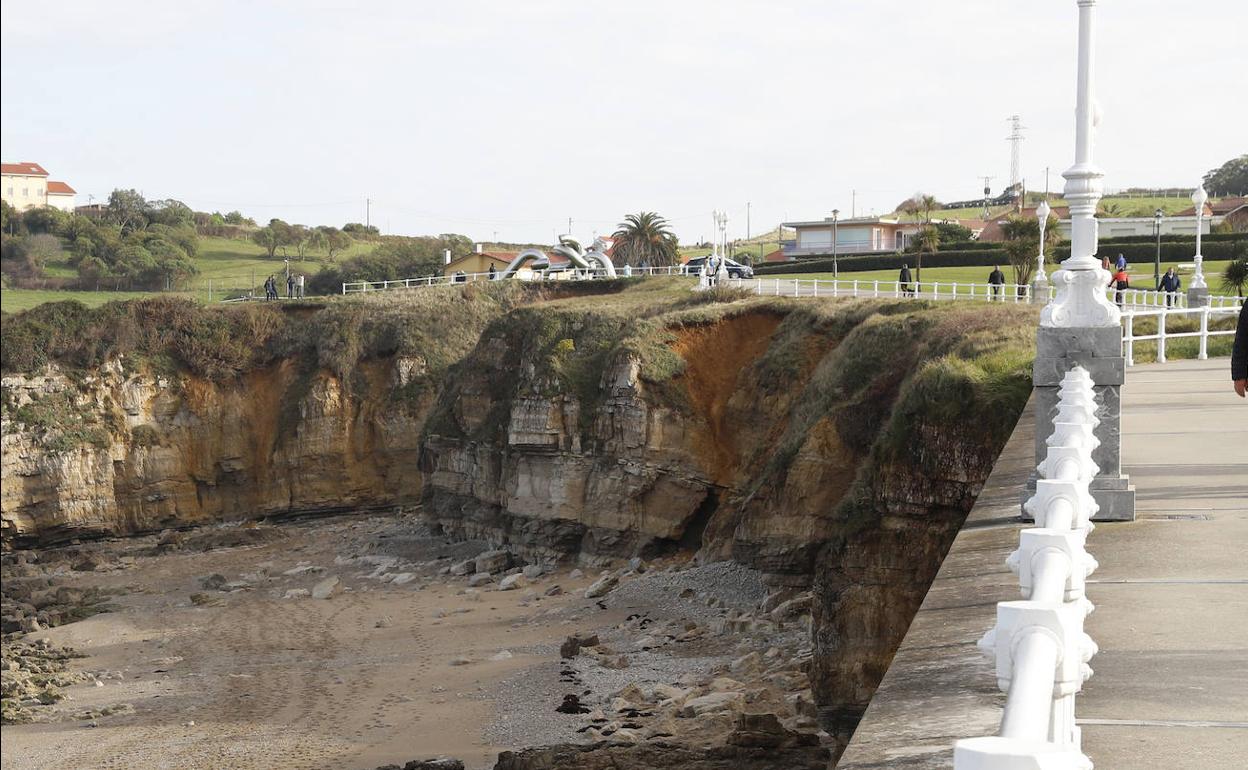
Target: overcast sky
(509,117)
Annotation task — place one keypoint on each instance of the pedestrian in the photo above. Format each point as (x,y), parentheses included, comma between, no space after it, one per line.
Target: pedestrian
(903,281)
(1105,264)
(1121,264)
(1170,284)
(1239,354)
(266,289)
(299,286)
(290,286)
(270,288)
(996,279)
(1120,283)
(492,271)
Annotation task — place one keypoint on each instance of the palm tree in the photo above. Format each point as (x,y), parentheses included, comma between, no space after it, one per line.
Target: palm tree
(928,203)
(1235,276)
(929,241)
(645,237)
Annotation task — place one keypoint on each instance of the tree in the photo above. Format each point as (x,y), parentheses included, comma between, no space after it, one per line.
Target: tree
(645,238)
(1231,178)
(952,232)
(920,206)
(1235,275)
(1022,244)
(334,240)
(268,238)
(127,209)
(359,230)
(929,241)
(305,240)
(173,213)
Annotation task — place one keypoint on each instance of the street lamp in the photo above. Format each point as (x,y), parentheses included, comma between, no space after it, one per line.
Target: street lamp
(836,213)
(1157,217)
(1198,198)
(1042,214)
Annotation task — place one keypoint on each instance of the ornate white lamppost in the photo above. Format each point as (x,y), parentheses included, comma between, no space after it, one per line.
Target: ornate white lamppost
(1198,292)
(1080,326)
(721,222)
(1040,286)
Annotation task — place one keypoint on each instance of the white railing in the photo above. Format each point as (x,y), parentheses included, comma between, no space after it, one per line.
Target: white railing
(856,287)
(626,271)
(1202,333)
(1038,644)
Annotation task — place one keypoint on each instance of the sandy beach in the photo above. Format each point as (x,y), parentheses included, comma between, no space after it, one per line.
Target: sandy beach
(351,642)
(362,678)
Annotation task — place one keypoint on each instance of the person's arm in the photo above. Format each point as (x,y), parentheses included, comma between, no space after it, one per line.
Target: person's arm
(1239,354)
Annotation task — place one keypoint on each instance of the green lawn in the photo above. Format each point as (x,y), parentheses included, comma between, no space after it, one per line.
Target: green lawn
(227,267)
(1142,275)
(13,300)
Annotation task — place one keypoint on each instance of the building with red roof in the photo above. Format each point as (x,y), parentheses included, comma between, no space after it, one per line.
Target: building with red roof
(26,186)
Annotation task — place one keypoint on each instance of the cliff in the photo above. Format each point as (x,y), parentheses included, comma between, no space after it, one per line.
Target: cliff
(833,444)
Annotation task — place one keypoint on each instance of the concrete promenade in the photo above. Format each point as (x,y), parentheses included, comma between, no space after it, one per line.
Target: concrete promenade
(1170,688)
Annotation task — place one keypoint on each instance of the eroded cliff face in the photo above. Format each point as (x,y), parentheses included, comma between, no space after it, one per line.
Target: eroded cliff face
(167,451)
(831,445)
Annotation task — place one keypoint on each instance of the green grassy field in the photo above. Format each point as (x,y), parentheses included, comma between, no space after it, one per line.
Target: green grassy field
(227,267)
(14,300)
(1142,275)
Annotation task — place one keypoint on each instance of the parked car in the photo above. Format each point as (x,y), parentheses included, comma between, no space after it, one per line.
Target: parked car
(735,268)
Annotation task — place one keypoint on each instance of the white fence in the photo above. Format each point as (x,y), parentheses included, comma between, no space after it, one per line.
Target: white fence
(1202,333)
(1038,644)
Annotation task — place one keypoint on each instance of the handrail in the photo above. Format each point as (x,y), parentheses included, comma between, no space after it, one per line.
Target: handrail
(1038,644)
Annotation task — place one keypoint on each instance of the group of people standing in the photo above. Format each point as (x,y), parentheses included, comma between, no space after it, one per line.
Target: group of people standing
(1170,283)
(294,287)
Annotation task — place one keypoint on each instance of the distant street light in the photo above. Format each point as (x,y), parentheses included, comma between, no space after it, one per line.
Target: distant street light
(836,213)
(1198,199)
(1157,217)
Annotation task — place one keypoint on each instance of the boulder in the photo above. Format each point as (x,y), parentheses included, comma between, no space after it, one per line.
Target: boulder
(765,731)
(325,588)
(573,644)
(213,582)
(480,579)
(465,567)
(712,703)
(493,561)
(533,571)
(512,582)
(602,586)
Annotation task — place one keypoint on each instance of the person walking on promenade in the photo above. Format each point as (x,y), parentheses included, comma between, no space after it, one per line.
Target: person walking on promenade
(1121,264)
(1239,354)
(492,271)
(270,288)
(996,279)
(290,287)
(903,279)
(1170,284)
(1120,283)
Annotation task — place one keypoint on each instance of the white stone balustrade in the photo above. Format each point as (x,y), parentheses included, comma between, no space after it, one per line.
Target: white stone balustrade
(1038,645)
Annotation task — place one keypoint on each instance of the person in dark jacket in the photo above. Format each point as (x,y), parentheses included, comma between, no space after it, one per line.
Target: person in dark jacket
(290,287)
(1239,354)
(904,280)
(1170,284)
(996,279)
(492,271)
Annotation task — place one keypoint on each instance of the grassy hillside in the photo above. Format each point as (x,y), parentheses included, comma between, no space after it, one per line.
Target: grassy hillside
(227,267)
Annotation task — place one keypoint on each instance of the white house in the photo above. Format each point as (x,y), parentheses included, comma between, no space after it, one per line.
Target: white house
(861,234)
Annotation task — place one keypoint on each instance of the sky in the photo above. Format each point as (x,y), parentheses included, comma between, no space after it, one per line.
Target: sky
(502,120)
